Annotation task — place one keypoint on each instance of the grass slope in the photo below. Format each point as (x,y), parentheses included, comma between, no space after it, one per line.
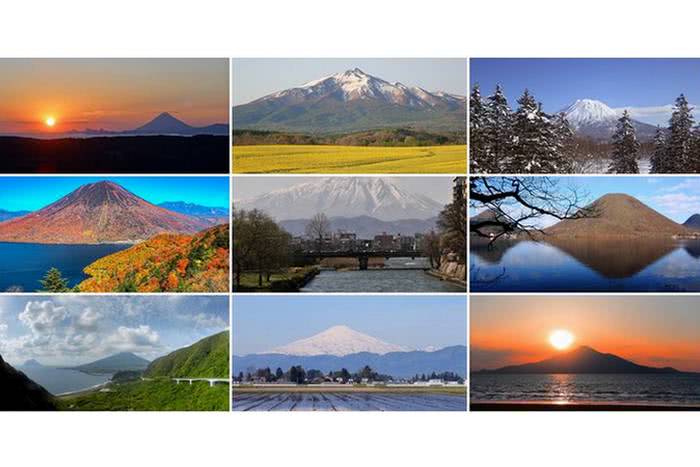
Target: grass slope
(160,394)
(207,358)
(349,159)
(165,263)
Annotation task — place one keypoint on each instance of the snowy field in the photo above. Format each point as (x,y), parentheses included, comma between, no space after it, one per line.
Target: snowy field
(332,401)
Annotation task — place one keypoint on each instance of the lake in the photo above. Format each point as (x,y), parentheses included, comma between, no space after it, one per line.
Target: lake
(398,275)
(586,265)
(24,264)
(60,380)
(347,401)
(600,388)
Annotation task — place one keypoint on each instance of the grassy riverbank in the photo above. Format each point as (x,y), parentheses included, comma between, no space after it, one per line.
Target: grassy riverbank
(290,281)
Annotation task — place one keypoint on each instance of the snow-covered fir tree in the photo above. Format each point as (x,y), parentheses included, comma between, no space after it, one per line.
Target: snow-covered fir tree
(659,162)
(480,159)
(498,130)
(537,144)
(625,147)
(679,145)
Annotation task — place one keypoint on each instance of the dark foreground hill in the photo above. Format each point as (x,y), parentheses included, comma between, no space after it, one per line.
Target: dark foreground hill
(396,364)
(18,392)
(583,360)
(207,358)
(116,154)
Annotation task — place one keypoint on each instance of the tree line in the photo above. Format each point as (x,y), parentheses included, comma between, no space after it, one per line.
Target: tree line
(298,375)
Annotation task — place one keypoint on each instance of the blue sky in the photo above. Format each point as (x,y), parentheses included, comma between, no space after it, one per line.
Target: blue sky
(674,197)
(261,323)
(645,86)
(70,329)
(257,77)
(31,193)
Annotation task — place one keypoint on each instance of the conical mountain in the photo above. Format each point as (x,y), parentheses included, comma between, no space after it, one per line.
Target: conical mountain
(618,215)
(595,119)
(339,341)
(118,362)
(693,222)
(164,124)
(352,100)
(583,360)
(101,212)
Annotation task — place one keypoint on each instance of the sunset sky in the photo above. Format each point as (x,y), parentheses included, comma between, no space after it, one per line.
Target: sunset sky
(649,330)
(113,94)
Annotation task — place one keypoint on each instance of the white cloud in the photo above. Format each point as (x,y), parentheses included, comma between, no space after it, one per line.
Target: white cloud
(89,319)
(655,115)
(137,339)
(675,203)
(43,317)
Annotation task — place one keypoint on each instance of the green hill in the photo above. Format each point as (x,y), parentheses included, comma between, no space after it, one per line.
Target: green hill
(207,358)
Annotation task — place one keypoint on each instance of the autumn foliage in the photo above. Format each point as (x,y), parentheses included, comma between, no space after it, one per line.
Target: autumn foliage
(165,263)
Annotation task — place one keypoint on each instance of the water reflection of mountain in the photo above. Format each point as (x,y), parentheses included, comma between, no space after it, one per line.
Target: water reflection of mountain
(692,247)
(617,258)
(490,253)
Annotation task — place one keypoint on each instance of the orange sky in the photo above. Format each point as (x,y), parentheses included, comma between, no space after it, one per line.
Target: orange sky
(649,330)
(114,94)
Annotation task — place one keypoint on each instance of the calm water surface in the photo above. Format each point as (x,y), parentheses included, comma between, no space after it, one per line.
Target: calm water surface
(59,381)
(24,264)
(398,275)
(586,266)
(603,388)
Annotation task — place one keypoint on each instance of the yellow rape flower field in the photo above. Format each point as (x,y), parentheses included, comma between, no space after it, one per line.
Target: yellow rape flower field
(450,159)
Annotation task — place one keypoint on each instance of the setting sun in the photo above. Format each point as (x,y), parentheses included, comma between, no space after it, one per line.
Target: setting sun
(50,121)
(561,339)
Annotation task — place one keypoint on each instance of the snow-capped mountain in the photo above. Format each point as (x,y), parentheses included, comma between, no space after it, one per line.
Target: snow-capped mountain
(351,101)
(595,119)
(344,196)
(338,341)
(355,84)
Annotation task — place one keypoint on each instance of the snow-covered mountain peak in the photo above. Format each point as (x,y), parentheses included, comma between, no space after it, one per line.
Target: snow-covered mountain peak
(339,340)
(376,197)
(355,84)
(585,112)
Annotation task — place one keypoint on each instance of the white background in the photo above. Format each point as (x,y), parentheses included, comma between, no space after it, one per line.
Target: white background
(433,28)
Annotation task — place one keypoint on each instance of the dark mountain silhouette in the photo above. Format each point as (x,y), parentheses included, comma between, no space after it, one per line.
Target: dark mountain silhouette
(583,360)
(618,215)
(396,364)
(165,124)
(18,392)
(693,222)
(101,212)
(366,227)
(118,362)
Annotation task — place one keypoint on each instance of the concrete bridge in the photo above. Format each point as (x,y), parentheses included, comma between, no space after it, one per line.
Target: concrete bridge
(362,256)
(212,381)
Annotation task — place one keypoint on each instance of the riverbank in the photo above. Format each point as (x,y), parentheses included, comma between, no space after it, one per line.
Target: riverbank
(290,281)
(451,271)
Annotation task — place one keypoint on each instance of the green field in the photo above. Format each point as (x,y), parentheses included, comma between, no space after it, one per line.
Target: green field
(158,394)
(349,159)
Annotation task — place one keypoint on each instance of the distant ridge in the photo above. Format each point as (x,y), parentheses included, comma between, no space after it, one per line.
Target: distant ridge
(583,360)
(693,222)
(618,215)
(366,226)
(164,124)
